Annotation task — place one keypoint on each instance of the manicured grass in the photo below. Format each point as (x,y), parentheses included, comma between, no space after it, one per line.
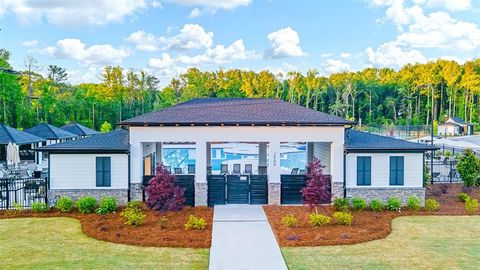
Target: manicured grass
(58,243)
(416,242)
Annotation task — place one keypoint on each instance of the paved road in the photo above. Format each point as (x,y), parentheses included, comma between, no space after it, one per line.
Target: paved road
(242,239)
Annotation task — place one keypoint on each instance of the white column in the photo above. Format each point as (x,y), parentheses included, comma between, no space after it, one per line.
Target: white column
(262,154)
(274,162)
(201,161)
(336,169)
(158,153)
(136,159)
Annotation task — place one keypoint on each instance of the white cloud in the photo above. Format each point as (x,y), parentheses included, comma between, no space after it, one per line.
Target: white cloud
(345,55)
(30,43)
(103,54)
(144,41)
(195,13)
(333,66)
(164,62)
(285,42)
(213,4)
(72,12)
(453,5)
(281,70)
(392,55)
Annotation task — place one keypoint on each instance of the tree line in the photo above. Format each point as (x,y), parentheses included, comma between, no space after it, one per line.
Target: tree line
(372,96)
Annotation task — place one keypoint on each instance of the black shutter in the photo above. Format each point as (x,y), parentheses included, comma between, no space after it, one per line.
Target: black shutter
(99,171)
(103,172)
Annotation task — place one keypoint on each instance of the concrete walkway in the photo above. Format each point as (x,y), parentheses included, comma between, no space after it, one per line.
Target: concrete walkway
(242,239)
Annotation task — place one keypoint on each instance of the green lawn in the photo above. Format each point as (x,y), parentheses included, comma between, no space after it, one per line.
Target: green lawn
(415,243)
(58,243)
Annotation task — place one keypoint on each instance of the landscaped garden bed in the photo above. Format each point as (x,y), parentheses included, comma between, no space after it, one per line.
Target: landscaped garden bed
(366,226)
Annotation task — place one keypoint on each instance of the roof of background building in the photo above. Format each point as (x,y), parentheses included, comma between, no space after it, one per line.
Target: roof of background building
(459,121)
(78,129)
(236,111)
(113,141)
(357,140)
(50,132)
(9,134)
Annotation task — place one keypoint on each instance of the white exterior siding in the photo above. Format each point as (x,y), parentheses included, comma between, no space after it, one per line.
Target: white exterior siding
(413,170)
(77,171)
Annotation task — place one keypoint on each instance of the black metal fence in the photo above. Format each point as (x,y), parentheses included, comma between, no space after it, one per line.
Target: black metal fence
(444,171)
(291,185)
(22,192)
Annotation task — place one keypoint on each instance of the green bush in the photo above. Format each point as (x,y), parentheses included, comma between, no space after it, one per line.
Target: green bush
(469,168)
(17,206)
(64,204)
(343,218)
(341,204)
(447,153)
(134,204)
(86,205)
(431,205)
(358,204)
(133,216)
(394,204)
(195,223)
(290,221)
(464,197)
(318,220)
(413,203)
(39,207)
(377,205)
(107,205)
(471,205)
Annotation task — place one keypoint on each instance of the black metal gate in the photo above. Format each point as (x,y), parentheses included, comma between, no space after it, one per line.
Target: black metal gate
(216,189)
(22,192)
(291,184)
(237,189)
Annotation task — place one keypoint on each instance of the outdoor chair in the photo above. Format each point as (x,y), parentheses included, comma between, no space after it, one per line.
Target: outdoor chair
(452,174)
(248,168)
(178,171)
(224,169)
(191,169)
(302,171)
(236,168)
(294,171)
(168,169)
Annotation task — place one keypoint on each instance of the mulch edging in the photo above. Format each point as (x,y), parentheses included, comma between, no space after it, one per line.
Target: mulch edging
(367,225)
(111,227)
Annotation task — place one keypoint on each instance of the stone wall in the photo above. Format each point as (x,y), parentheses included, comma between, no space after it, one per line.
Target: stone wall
(136,192)
(274,193)
(75,194)
(384,193)
(201,193)
(337,190)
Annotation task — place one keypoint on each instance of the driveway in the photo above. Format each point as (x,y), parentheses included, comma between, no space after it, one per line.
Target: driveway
(242,239)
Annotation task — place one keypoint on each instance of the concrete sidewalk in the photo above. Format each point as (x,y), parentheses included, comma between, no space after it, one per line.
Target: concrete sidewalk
(242,239)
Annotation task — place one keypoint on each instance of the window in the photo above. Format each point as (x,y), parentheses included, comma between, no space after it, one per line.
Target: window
(396,171)
(364,171)
(103,170)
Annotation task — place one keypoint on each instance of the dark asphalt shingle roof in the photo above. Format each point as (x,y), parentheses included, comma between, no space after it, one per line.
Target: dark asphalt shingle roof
(113,141)
(78,129)
(358,140)
(460,121)
(50,132)
(9,134)
(232,111)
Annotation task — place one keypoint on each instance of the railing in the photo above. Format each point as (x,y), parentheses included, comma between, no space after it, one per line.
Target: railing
(22,192)
(444,171)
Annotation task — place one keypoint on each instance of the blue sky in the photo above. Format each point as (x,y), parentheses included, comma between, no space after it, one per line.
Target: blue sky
(165,37)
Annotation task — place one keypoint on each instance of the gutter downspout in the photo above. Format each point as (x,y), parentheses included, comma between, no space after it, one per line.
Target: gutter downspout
(345,152)
(129,177)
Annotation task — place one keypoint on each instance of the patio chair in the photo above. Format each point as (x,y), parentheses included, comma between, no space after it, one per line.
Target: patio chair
(248,169)
(224,169)
(294,171)
(178,171)
(168,169)
(191,169)
(302,171)
(236,169)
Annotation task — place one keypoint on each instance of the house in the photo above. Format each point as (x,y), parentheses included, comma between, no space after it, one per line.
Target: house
(455,126)
(183,137)
(79,130)
(24,140)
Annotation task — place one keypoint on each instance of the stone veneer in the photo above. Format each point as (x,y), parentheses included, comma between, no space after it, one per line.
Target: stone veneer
(201,193)
(136,192)
(337,190)
(274,193)
(75,194)
(384,193)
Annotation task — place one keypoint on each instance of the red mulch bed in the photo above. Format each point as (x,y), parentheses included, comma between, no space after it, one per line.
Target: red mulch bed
(366,226)
(111,227)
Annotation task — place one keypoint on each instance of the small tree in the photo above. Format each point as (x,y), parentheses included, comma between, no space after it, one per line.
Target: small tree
(163,194)
(469,168)
(317,189)
(105,127)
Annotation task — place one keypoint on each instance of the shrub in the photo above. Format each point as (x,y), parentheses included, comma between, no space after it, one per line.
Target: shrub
(358,204)
(86,205)
(163,194)
(318,220)
(394,204)
(341,204)
(469,168)
(377,205)
(431,205)
(317,189)
(64,204)
(134,204)
(413,203)
(444,188)
(17,206)
(471,205)
(464,197)
(195,223)
(343,218)
(447,153)
(107,205)
(39,207)
(163,223)
(290,221)
(133,216)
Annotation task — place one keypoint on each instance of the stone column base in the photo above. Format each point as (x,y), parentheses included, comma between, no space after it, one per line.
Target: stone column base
(274,193)
(136,192)
(201,194)
(337,190)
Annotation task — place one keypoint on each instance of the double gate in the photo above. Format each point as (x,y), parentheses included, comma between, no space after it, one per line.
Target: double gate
(22,192)
(237,189)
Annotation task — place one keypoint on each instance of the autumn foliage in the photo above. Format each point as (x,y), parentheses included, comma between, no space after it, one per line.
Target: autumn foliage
(163,194)
(317,189)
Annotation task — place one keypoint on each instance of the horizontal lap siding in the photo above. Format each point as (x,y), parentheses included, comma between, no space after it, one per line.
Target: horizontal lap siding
(258,189)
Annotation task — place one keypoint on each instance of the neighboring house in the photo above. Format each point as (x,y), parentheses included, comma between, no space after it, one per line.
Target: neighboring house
(359,164)
(79,130)
(455,126)
(24,140)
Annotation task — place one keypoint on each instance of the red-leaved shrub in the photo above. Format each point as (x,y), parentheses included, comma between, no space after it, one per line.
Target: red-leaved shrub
(163,194)
(317,189)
